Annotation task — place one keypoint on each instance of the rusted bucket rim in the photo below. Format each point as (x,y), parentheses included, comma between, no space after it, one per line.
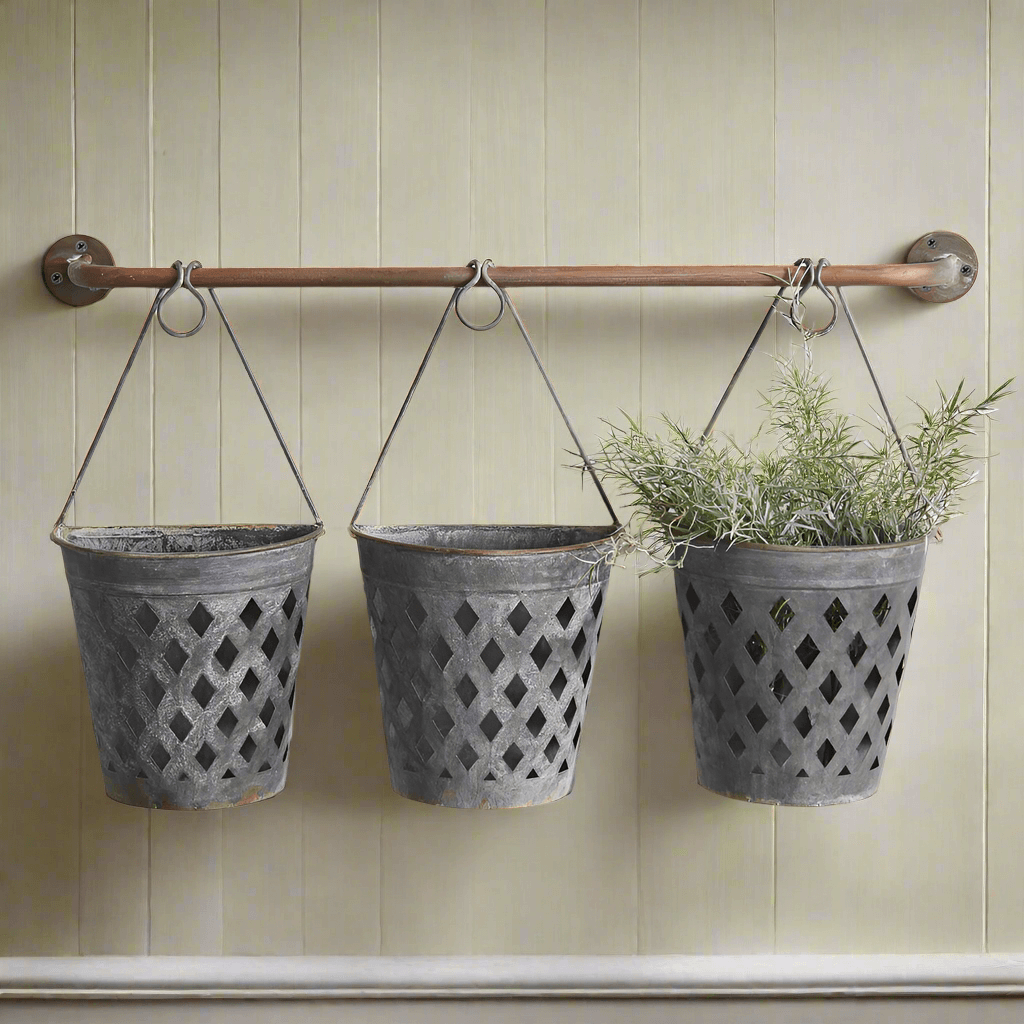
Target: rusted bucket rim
(705,544)
(599,535)
(65,536)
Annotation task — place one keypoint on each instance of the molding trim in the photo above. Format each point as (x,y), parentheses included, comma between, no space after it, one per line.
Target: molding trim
(511,977)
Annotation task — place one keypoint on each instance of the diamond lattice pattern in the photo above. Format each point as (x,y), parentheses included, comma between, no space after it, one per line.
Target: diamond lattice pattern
(200,692)
(491,688)
(794,685)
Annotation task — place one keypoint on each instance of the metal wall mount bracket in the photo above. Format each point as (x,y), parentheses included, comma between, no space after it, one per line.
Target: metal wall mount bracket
(69,249)
(934,247)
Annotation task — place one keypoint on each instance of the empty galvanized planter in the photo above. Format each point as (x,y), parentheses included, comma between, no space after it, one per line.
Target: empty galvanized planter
(795,658)
(485,639)
(190,639)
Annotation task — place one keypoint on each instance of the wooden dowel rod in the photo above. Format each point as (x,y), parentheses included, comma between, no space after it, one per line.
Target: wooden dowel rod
(939,273)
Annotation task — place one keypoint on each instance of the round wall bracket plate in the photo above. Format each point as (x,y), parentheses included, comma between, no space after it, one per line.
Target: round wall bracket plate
(55,268)
(945,243)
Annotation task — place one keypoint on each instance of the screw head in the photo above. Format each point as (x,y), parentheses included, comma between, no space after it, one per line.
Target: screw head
(56,277)
(966,270)
(80,246)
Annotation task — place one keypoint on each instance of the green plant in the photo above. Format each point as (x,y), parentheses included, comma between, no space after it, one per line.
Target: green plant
(822,483)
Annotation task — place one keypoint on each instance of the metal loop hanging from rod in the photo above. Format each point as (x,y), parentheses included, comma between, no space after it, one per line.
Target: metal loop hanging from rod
(480,274)
(184,281)
(940,267)
(797,302)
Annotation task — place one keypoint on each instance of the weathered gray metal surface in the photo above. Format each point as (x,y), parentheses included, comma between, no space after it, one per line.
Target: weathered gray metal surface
(485,639)
(190,639)
(795,658)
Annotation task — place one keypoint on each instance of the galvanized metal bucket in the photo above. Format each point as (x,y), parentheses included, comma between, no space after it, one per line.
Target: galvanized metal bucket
(795,658)
(190,639)
(485,640)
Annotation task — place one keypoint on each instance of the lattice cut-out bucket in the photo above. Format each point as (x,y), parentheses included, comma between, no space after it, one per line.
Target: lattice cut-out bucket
(485,639)
(795,658)
(190,639)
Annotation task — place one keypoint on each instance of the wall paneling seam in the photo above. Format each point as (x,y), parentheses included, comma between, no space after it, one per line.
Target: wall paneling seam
(220,361)
(151,168)
(474,496)
(220,261)
(986,504)
(299,419)
(72,4)
(547,218)
(385,782)
(150,156)
(775,249)
(640,603)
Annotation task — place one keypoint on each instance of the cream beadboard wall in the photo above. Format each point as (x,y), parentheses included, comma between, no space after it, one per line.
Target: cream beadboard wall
(347,132)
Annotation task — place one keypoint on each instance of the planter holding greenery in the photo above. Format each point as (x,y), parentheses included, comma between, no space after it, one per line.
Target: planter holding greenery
(798,572)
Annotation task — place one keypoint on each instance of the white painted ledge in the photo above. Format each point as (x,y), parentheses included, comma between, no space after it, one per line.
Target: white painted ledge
(510,977)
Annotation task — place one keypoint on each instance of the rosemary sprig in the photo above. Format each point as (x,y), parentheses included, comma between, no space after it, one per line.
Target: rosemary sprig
(822,483)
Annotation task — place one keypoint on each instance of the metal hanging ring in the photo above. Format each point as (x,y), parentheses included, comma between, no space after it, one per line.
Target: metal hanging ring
(814,281)
(184,281)
(481,274)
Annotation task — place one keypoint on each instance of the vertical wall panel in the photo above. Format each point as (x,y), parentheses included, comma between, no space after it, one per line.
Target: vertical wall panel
(41,684)
(1006,474)
(858,181)
(337,758)
(516,457)
(185,854)
(113,203)
(592,139)
(707,169)
(427,854)
(259,173)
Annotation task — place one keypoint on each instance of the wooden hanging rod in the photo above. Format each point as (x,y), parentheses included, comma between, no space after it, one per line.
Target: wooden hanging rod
(79,269)
(905,274)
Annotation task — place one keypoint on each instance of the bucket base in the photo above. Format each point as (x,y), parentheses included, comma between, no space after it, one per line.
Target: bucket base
(799,792)
(502,794)
(138,792)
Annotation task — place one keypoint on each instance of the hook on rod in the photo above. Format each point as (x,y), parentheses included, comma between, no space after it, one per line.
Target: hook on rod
(813,281)
(184,281)
(480,273)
